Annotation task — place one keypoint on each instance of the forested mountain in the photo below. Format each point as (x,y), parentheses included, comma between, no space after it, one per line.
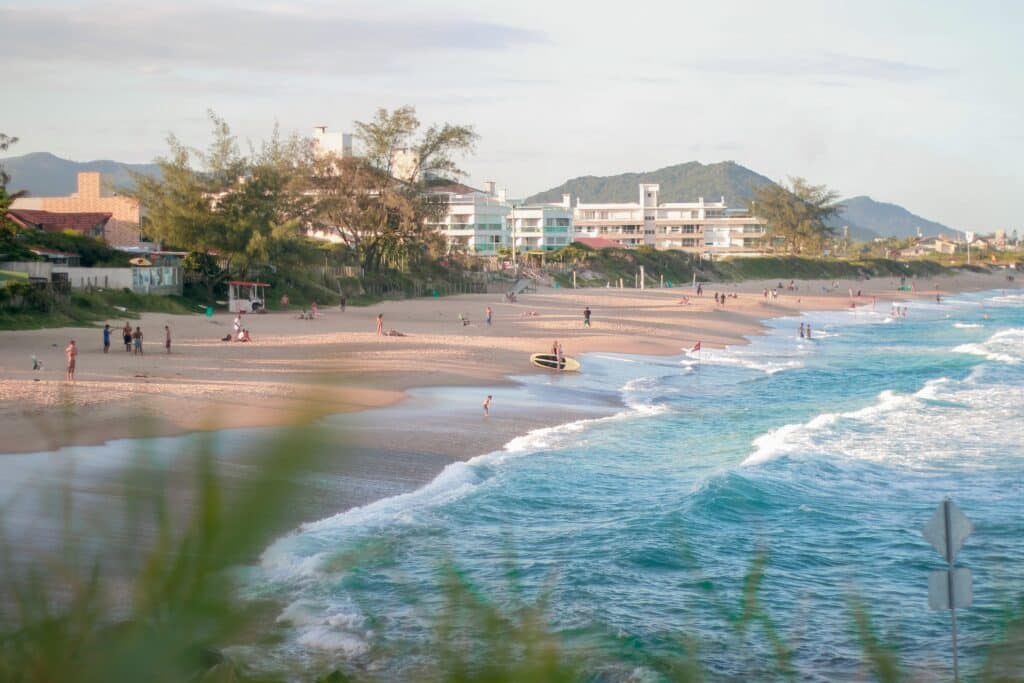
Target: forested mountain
(46,175)
(680,183)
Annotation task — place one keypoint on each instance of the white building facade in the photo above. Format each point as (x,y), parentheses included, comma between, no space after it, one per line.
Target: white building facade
(485,222)
(541,227)
(697,227)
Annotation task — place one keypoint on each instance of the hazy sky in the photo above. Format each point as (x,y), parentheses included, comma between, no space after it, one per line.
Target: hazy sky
(918,103)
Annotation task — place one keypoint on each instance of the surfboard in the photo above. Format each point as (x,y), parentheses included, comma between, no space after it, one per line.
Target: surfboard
(549,362)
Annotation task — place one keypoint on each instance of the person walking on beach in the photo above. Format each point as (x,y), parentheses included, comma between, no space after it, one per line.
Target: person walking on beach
(342,304)
(137,338)
(106,338)
(560,355)
(487,406)
(489,314)
(72,353)
(126,333)
(586,316)
(700,289)
(380,324)
(167,338)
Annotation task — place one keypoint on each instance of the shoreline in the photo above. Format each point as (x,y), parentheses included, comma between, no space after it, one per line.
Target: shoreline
(370,372)
(397,440)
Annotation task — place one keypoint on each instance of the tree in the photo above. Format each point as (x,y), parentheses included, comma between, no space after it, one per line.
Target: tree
(388,221)
(797,214)
(233,211)
(7,198)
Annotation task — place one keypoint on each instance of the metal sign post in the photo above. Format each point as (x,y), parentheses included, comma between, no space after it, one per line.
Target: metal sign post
(947,530)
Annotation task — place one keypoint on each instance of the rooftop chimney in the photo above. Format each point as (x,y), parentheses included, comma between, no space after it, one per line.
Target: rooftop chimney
(489,187)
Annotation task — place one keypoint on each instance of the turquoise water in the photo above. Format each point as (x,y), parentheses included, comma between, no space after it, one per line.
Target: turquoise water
(828,456)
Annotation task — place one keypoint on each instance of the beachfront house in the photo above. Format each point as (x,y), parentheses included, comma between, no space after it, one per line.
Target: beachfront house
(121,227)
(708,228)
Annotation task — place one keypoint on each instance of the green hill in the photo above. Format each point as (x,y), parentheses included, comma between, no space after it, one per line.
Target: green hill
(46,175)
(890,220)
(680,183)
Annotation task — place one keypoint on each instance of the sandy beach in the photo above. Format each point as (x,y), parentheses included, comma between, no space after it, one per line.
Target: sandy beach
(305,369)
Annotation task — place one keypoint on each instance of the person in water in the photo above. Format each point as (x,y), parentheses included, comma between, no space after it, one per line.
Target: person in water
(801,330)
(487,406)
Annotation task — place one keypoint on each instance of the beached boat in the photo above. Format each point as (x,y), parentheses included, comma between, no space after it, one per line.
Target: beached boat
(548,361)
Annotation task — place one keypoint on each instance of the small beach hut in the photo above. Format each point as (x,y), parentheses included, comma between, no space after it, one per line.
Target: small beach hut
(246,297)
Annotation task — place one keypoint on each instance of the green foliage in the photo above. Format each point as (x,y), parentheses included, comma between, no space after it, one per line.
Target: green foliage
(242,209)
(58,625)
(387,221)
(797,215)
(82,308)
(91,251)
(608,265)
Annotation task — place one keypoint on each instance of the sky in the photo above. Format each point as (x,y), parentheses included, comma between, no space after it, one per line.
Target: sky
(916,103)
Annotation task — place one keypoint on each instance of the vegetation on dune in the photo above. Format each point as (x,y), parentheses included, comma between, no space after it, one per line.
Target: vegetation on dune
(81,308)
(597,268)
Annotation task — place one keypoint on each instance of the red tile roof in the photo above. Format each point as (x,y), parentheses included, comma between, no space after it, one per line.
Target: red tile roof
(50,221)
(598,243)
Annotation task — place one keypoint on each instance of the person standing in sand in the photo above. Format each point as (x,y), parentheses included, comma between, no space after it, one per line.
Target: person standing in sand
(490,313)
(106,338)
(72,353)
(487,406)
(137,338)
(586,316)
(380,324)
(126,333)
(560,355)
(167,338)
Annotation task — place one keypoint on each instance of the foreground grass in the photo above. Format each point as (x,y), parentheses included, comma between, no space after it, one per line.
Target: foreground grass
(160,604)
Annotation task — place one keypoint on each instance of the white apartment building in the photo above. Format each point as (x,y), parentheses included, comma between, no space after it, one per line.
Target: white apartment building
(324,143)
(475,220)
(541,227)
(698,227)
(483,221)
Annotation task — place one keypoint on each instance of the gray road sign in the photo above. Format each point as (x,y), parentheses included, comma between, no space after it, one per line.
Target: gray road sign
(940,585)
(959,529)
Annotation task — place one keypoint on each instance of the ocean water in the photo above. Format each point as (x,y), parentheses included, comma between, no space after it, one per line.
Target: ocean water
(824,457)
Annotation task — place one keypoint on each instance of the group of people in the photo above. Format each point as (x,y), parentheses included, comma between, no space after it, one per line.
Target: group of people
(805,330)
(720,298)
(238,333)
(132,342)
(132,338)
(898,312)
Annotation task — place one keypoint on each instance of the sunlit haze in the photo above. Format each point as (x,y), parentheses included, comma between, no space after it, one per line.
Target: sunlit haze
(918,103)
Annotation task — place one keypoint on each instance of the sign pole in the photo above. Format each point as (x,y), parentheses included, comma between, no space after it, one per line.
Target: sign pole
(949,585)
